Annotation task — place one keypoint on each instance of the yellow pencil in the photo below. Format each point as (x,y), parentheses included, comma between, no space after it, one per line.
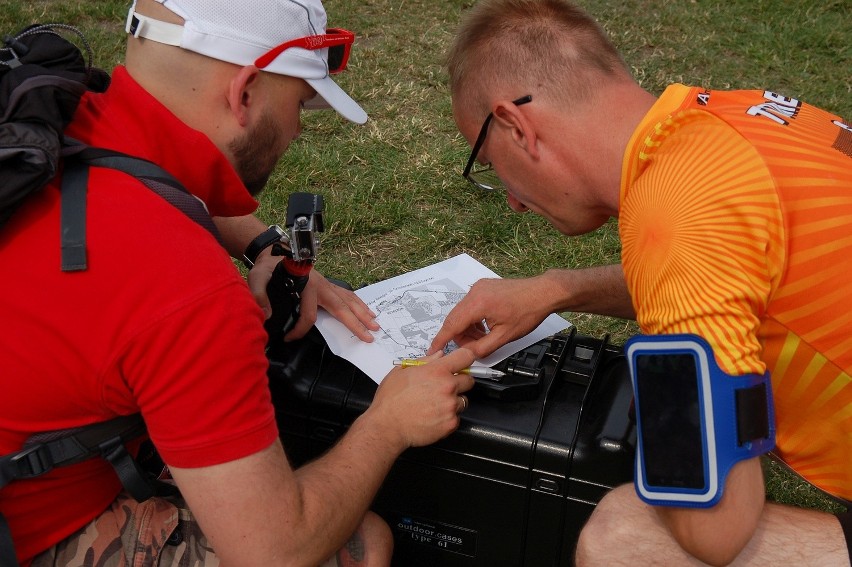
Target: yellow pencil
(476,371)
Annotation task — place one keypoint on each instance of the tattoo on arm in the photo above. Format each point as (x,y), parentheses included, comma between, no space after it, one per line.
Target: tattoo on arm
(353,553)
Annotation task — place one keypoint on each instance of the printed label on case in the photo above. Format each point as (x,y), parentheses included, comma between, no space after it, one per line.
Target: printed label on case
(435,534)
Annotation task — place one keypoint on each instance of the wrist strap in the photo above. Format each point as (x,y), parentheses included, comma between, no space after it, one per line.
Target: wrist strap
(264,240)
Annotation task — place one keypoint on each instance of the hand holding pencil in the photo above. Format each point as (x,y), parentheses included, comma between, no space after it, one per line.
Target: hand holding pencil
(482,372)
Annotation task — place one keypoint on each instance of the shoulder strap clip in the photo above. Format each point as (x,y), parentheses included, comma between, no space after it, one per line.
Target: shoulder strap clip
(31,462)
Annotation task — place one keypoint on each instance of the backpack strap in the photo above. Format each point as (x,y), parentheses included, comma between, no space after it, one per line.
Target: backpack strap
(45,451)
(78,158)
(72,212)
(7,547)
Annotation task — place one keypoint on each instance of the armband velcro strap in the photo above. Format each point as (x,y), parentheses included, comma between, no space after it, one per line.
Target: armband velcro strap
(752,414)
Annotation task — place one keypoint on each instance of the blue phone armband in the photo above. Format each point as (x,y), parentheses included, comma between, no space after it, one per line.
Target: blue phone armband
(694,421)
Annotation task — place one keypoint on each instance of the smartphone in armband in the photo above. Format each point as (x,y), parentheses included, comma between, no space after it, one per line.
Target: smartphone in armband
(694,421)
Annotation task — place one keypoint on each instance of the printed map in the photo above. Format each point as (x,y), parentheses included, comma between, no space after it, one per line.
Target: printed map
(410,309)
(410,319)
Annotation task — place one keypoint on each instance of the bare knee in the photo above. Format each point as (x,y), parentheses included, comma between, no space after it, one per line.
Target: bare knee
(608,526)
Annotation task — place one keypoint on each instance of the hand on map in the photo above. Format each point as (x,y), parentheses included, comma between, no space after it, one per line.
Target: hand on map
(509,309)
(341,303)
(421,404)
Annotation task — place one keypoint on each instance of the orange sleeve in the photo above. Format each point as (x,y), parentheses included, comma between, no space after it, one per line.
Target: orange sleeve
(702,235)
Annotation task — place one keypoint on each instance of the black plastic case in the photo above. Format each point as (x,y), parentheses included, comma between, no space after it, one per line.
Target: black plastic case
(515,483)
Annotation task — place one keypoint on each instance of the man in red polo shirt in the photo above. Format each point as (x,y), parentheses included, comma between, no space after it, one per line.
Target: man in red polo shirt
(163,324)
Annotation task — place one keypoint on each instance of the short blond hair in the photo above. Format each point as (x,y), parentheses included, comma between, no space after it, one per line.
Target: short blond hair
(549,47)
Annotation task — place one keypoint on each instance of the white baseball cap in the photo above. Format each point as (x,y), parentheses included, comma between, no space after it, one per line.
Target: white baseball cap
(243,32)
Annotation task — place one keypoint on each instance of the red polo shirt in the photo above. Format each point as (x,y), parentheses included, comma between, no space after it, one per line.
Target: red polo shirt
(161,321)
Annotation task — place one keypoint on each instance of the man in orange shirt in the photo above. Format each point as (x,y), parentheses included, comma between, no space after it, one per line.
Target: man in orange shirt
(733,213)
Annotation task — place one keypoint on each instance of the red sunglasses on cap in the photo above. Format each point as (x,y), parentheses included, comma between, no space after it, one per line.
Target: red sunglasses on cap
(338,41)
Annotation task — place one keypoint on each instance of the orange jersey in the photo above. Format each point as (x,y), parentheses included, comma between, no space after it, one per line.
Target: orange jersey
(736,225)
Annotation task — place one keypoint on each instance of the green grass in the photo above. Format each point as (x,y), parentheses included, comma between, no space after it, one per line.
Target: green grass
(395,199)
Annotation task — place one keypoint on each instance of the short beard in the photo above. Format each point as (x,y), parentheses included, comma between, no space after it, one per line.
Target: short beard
(256,153)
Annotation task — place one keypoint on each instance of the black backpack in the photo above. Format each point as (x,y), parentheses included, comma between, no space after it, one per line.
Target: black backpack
(42,77)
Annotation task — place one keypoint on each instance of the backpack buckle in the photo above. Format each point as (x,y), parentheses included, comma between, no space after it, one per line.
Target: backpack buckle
(16,51)
(34,461)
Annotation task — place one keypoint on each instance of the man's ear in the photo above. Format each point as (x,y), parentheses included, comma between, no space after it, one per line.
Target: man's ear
(242,93)
(522,129)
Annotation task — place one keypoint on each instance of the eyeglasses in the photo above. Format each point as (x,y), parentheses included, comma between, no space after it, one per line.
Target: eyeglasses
(485,178)
(338,41)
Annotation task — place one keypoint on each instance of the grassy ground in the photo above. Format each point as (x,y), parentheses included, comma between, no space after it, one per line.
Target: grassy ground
(395,199)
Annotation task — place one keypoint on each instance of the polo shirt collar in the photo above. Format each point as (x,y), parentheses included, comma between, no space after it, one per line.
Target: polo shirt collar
(129,119)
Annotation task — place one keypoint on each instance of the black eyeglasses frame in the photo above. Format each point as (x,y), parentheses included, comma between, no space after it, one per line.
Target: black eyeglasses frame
(480,139)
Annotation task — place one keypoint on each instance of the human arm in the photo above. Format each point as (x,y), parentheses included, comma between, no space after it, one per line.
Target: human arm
(514,307)
(194,366)
(717,535)
(237,232)
(701,261)
(258,511)
(341,303)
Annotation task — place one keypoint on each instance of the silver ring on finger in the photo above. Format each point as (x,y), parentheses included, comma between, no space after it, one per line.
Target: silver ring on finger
(483,327)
